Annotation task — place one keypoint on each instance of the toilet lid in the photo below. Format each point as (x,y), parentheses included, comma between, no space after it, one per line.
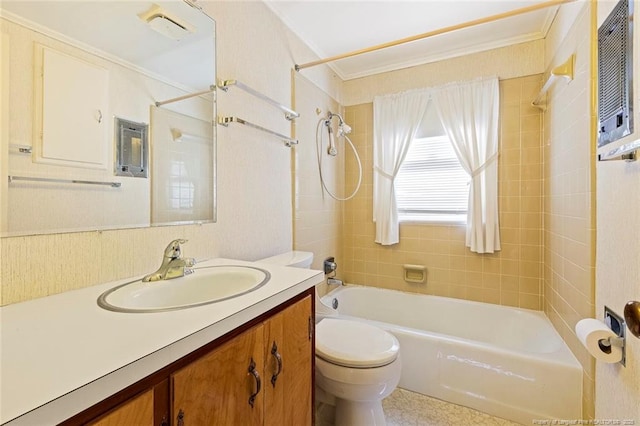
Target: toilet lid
(354,344)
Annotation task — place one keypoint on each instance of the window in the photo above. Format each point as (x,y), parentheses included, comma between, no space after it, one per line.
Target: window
(431,184)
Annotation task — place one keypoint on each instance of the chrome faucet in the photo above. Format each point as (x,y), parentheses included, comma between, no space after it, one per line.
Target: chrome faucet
(173,264)
(330,267)
(334,281)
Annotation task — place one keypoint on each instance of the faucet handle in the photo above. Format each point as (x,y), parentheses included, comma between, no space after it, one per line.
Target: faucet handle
(173,250)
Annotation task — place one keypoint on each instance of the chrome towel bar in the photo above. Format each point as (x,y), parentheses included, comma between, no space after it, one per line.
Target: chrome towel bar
(627,152)
(224,121)
(288,112)
(83,182)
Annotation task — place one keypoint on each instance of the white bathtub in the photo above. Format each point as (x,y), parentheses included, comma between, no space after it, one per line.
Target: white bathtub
(504,361)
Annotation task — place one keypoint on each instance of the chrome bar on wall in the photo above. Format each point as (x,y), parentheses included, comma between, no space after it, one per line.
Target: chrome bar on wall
(84,182)
(190,95)
(288,112)
(627,152)
(224,121)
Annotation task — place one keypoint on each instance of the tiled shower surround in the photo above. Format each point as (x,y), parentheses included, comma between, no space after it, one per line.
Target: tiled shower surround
(512,276)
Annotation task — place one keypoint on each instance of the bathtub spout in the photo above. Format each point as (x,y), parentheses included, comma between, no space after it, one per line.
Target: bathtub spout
(334,281)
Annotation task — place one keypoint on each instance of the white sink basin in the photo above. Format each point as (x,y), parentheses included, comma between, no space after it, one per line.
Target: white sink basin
(205,285)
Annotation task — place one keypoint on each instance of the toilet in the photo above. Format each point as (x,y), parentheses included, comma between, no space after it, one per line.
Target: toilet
(357,364)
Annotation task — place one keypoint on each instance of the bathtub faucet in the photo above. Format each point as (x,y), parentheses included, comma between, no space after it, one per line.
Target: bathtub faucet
(334,281)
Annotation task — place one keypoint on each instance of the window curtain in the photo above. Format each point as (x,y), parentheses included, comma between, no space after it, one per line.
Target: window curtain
(396,120)
(469,115)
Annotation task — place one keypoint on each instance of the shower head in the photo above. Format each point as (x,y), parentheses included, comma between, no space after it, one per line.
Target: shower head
(344,129)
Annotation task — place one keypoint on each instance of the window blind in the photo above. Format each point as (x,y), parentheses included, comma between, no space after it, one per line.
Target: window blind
(431,183)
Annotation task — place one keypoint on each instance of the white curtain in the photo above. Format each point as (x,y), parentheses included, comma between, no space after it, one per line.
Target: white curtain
(396,120)
(469,115)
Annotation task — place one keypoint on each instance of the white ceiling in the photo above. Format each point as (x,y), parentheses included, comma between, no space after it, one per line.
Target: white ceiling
(333,27)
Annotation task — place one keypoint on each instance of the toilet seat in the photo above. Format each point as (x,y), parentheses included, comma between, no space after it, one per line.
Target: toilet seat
(355,344)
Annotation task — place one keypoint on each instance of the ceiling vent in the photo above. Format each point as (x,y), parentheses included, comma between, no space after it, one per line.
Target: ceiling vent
(163,22)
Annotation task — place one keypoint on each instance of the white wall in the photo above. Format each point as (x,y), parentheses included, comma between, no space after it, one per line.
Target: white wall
(618,281)
(254,170)
(617,392)
(4,133)
(254,175)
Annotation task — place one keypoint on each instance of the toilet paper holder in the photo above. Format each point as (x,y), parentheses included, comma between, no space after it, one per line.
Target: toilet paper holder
(616,323)
(613,341)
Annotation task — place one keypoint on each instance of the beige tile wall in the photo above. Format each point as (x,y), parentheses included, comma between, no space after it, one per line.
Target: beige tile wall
(569,202)
(512,276)
(317,223)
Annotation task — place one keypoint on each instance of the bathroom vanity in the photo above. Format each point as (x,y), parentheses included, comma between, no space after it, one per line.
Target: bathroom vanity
(244,378)
(247,360)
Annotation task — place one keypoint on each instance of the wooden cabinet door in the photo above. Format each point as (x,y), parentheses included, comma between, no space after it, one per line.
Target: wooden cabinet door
(137,411)
(215,389)
(288,396)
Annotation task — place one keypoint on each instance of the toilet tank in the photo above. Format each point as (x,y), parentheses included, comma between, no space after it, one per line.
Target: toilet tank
(296,259)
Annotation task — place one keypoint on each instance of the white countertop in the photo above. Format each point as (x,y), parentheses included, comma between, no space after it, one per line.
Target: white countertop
(61,354)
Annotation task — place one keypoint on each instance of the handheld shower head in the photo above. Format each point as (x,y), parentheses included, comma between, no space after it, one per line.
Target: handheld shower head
(331,149)
(343,130)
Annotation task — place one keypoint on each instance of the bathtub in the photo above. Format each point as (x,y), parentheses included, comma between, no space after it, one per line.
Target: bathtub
(507,362)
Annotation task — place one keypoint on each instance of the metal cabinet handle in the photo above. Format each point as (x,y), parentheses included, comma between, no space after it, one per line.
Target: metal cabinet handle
(180,418)
(252,371)
(164,421)
(278,357)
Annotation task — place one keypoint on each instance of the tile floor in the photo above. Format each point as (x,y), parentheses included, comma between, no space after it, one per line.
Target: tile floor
(405,408)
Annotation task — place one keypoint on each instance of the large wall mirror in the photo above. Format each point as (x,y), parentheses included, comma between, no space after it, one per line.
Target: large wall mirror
(107,115)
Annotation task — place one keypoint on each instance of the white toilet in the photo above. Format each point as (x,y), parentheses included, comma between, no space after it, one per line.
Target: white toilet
(357,364)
